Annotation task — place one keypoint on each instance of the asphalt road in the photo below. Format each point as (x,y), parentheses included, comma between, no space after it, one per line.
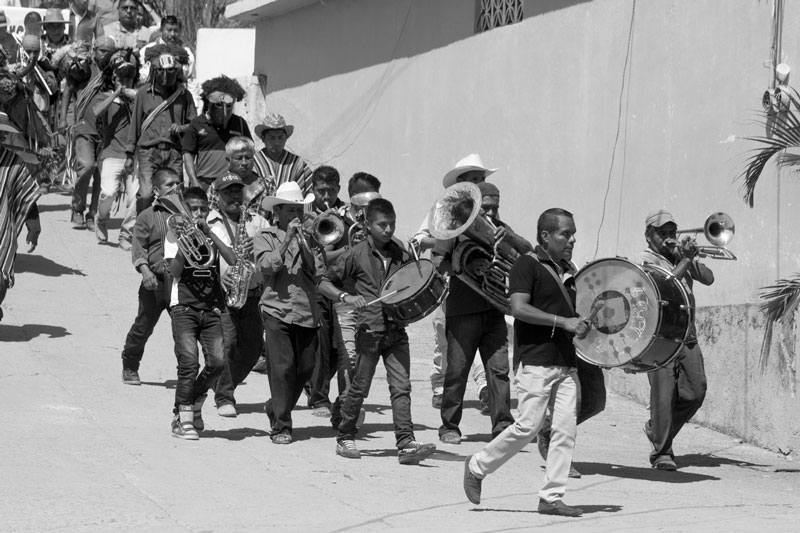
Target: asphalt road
(83,452)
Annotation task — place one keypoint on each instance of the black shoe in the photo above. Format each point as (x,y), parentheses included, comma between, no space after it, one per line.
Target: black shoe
(414,452)
(130,377)
(472,484)
(559,508)
(665,462)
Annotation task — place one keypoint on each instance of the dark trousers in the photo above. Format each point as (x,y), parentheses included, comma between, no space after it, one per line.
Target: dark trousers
(676,393)
(326,364)
(485,332)
(151,305)
(592,391)
(290,363)
(190,326)
(87,171)
(243,340)
(149,160)
(370,347)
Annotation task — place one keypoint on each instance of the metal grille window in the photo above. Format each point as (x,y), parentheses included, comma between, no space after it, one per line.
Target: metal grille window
(496,13)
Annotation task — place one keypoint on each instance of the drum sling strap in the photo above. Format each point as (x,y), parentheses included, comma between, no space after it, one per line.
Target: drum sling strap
(560,283)
(159,109)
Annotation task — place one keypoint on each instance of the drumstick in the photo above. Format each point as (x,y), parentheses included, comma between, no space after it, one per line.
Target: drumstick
(596,306)
(381,298)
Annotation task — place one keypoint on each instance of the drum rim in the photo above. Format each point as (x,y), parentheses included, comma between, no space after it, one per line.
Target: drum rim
(388,301)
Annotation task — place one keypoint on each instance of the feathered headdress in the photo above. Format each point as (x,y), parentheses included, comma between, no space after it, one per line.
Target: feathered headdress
(222,84)
(80,48)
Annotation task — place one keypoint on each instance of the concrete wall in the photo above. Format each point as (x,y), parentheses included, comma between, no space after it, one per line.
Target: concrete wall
(404,88)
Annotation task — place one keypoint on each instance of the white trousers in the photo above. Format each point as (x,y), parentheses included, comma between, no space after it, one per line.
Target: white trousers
(538,387)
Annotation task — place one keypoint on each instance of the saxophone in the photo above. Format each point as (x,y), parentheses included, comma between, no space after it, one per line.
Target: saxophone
(242,270)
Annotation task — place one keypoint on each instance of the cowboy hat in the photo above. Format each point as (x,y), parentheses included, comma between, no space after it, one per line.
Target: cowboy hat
(287,193)
(471,162)
(274,121)
(53,16)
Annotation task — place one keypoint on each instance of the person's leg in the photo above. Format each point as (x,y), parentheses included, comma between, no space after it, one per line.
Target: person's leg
(304,343)
(110,175)
(397,360)
(691,387)
(250,339)
(662,399)
(464,334)
(562,435)
(211,340)
(494,354)
(223,393)
(128,206)
(84,167)
(185,329)
(149,159)
(439,364)
(151,305)
(367,354)
(319,385)
(281,371)
(477,373)
(592,391)
(347,357)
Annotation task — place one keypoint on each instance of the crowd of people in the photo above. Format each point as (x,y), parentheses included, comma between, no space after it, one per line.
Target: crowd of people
(224,238)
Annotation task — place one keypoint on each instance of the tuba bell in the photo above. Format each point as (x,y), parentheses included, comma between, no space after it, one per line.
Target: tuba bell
(480,260)
(194,245)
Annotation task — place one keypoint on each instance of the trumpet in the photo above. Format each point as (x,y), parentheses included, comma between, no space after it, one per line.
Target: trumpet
(718,229)
(195,246)
(327,228)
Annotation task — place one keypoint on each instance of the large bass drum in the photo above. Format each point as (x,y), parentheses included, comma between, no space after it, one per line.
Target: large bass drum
(420,290)
(640,315)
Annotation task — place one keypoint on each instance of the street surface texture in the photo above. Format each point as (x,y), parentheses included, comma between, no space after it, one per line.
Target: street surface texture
(83,452)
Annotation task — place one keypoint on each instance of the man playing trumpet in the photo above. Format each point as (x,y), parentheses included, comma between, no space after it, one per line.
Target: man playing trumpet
(677,390)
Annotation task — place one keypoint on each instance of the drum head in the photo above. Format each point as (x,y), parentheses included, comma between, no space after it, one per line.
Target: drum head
(407,280)
(625,304)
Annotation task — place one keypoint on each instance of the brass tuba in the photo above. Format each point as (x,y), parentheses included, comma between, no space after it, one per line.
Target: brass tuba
(480,261)
(195,246)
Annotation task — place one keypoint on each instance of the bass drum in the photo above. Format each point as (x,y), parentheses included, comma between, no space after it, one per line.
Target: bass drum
(640,315)
(420,290)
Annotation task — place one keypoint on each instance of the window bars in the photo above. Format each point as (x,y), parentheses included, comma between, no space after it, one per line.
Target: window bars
(496,13)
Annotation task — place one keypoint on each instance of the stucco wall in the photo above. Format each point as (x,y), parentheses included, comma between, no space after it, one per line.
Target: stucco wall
(404,88)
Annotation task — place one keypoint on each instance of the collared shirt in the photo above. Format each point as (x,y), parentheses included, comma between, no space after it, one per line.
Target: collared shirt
(290,285)
(227,233)
(148,239)
(83,27)
(147,99)
(363,266)
(115,123)
(124,38)
(144,72)
(254,193)
(207,142)
(289,167)
(543,345)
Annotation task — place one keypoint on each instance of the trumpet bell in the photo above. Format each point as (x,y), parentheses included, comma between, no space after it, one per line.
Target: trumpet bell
(719,229)
(327,229)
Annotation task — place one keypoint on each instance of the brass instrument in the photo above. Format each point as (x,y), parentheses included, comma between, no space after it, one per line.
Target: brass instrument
(718,230)
(327,228)
(357,233)
(195,246)
(242,270)
(480,261)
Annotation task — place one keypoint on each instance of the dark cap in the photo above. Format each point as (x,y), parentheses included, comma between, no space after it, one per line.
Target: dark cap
(488,189)
(227,180)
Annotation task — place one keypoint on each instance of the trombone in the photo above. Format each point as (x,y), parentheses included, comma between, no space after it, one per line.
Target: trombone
(718,230)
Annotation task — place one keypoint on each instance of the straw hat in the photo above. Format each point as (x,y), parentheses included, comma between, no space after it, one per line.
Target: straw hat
(274,121)
(53,16)
(287,193)
(471,162)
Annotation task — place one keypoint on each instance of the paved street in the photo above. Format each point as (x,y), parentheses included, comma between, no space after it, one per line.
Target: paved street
(83,452)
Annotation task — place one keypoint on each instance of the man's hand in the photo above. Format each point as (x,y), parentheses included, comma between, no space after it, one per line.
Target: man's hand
(688,248)
(149,280)
(294,229)
(500,233)
(128,168)
(203,225)
(358,302)
(175,129)
(227,279)
(34,229)
(575,325)
(247,246)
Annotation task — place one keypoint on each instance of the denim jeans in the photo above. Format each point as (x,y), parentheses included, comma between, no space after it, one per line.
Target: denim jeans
(347,357)
(151,305)
(370,347)
(327,357)
(87,171)
(290,363)
(538,386)
(676,393)
(190,326)
(243,341)
(485,332)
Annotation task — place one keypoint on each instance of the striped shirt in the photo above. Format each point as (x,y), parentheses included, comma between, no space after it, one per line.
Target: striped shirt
(290,167)
(18,192)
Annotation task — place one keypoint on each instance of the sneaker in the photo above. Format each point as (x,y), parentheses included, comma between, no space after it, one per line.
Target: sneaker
(483,397)
(559,508)
(197,413)
(90,222)
(472,483)
(414,452)
(665,462)
(101,230)
(125,245)
(130,377)
(77,221)
(183,431)
(261,365)
(347,448)
(284,437)
(436,401)
(543,442)
(228,410)
(450,437)
(323,411)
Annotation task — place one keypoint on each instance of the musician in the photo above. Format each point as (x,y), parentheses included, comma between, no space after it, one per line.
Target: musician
(274,160)
(289,308)
(162,110)
(545,359)
(471,169)
(148,259)
(242,326)
(678,389)
(203,143)
(196,303)
(474,324)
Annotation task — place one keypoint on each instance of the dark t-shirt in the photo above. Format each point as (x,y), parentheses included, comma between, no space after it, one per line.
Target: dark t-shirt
(534,344)
(207,143)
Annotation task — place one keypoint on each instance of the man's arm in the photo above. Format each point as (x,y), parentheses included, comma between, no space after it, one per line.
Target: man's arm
(701,273)
(136,123)
(188,166)
(521,309)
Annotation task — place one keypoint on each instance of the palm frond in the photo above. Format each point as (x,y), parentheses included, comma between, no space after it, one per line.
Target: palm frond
(781,299)
(788,160)
(784,131)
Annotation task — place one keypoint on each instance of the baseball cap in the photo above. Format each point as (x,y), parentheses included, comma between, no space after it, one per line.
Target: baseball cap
(659,218)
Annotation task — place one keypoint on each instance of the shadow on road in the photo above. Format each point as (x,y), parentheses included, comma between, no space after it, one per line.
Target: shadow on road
(233,434)
(587,509)
(634,472)
(712,461)
(168,384)
(247,408)
(28,332)
(53,207)
(36,264)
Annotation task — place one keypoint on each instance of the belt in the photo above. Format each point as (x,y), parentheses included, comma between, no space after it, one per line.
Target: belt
(163,146)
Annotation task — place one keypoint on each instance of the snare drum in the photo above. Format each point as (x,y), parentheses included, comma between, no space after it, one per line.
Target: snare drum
(641,315)
(420,291)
